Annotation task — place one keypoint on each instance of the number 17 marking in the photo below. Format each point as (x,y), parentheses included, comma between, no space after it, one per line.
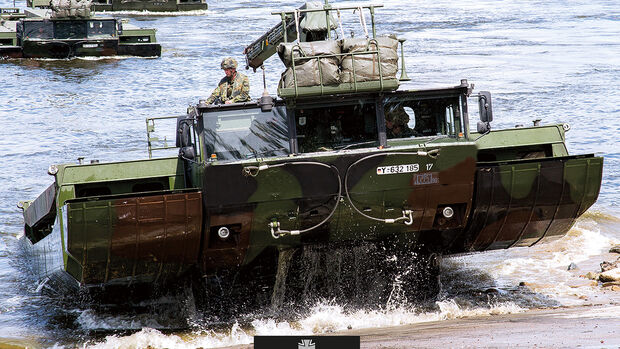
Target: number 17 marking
(429,166)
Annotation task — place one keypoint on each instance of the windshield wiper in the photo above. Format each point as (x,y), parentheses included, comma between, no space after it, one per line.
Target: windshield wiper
(257,154)
(354,145)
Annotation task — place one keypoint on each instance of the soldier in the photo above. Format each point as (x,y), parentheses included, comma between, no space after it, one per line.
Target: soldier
(396,123)
(233,88)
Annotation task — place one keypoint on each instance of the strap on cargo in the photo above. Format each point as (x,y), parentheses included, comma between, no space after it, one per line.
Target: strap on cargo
(296,14)
(340,24)
(363,21)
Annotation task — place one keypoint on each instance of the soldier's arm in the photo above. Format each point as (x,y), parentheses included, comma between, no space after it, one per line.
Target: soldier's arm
(244,94)
(214,95)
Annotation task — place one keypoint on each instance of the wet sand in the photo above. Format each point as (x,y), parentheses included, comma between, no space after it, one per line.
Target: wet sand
(594,326)
(586,327)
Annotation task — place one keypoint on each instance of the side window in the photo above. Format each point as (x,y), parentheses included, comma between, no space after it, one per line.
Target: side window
(336,127)
(411,114)
(429,118)
(421,118)
(101,28)
(453,124)
(400,120)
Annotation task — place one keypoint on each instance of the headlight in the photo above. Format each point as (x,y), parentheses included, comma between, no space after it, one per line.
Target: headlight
(566,127)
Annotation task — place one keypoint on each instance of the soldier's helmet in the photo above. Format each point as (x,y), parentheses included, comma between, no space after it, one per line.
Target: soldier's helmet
(228,63)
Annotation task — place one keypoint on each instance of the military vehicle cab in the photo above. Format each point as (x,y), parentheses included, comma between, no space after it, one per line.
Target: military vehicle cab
(342,151)
(72,32)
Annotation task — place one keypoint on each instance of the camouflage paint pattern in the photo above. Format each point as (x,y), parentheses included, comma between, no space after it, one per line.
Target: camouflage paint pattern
(150,221)
(519,203)
(146,238)
(302,194)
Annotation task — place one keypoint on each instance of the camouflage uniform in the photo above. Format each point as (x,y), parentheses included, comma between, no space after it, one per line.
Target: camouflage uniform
(236,89)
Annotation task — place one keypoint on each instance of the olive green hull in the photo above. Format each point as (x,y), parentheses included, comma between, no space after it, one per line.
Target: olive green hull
(520,203)
(157,237)
(81,48)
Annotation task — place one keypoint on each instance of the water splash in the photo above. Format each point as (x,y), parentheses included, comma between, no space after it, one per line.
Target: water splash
(324,317)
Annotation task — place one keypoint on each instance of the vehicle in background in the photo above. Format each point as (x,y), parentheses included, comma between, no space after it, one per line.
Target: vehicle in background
(39,33)
(135,5)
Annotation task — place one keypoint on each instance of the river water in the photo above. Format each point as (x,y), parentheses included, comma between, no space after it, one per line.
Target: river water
(558,61)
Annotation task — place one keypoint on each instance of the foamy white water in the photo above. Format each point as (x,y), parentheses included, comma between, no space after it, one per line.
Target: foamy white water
(154,13)
(543,268)
(324,318)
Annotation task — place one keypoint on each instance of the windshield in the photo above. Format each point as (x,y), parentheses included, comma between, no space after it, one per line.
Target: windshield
(38,30)
(101,29)
(246,133)
(420,118)
(70,29)
(336,127)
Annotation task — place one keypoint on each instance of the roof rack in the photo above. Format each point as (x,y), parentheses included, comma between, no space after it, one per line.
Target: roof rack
(365,53)
(382,83)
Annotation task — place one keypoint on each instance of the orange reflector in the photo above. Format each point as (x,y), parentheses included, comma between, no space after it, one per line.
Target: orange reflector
(213,156)
(380,147)
(460,134)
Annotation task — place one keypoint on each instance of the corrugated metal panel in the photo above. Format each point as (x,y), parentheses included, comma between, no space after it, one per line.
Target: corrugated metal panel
(521,203)
(145,238)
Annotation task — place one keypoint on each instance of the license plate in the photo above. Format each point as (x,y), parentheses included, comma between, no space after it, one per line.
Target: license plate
(90,45)
(408,168)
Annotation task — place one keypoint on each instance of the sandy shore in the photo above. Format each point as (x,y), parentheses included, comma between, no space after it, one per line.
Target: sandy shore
(586,327)
(594,326)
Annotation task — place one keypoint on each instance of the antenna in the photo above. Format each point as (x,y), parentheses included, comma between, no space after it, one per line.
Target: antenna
(403,72)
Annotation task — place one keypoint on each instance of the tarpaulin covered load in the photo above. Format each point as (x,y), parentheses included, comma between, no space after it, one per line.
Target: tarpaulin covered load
(316,21)
(366,66)
(307,49)
(70,8)
(307,71)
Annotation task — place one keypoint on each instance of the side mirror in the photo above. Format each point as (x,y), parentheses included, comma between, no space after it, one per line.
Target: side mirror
(188,153)
(184,137)
(485,107)
(483,127)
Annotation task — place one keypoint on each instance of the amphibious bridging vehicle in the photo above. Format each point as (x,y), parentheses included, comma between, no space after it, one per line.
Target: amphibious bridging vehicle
(352,161)
(66,33)
(135,5)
